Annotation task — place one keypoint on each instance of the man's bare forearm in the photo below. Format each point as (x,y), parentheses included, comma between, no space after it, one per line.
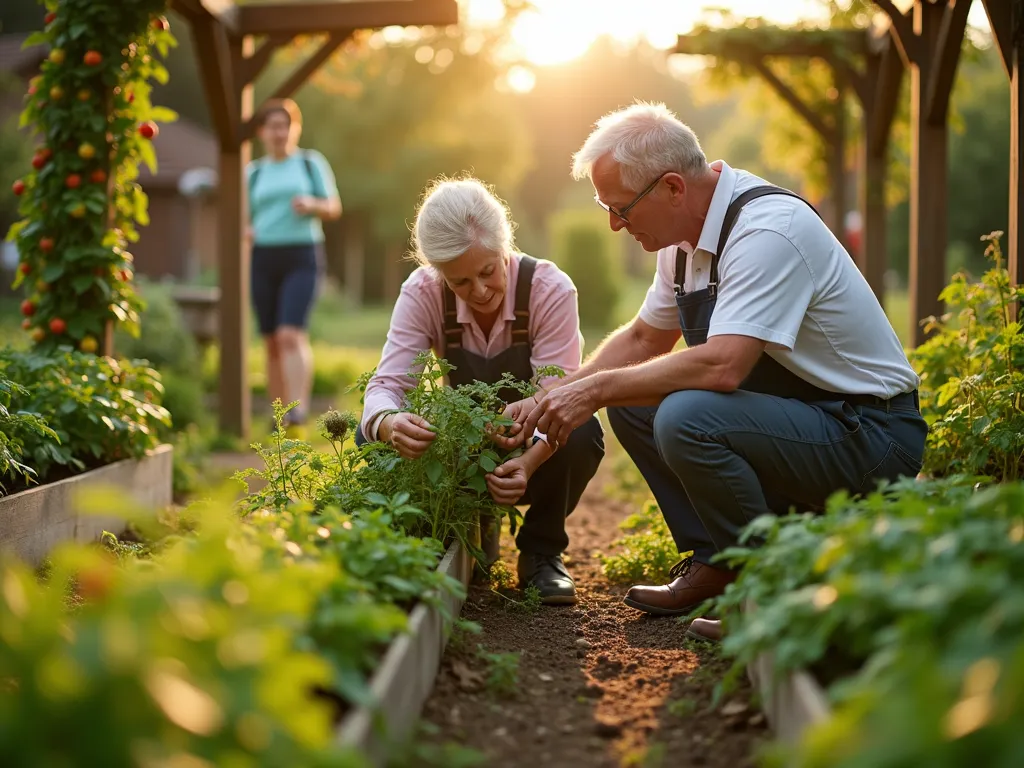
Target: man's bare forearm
(621,348)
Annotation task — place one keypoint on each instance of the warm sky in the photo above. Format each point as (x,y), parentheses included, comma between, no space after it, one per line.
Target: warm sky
(561,30)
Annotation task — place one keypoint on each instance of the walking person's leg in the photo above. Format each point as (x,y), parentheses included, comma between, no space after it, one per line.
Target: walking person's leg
(265,290)
(298,292)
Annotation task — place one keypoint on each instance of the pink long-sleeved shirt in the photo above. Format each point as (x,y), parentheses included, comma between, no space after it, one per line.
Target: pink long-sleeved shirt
(417,323)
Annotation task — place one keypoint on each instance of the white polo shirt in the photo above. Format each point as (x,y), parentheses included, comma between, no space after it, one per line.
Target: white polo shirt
(784,278)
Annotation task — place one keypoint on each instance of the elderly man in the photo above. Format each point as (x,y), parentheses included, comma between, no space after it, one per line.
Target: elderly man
(792,384)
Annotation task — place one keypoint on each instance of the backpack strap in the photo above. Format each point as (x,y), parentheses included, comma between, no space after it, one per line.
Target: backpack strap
(315,181)
(727,224)
(524,286)
(257,164)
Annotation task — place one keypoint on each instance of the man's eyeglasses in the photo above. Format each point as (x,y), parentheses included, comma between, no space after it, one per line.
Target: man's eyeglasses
(622,214)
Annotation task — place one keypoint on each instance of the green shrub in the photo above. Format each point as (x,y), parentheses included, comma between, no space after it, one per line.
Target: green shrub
(193,657)
(972,377)
(15,430)
(101,409)
(586,250)
(909,602)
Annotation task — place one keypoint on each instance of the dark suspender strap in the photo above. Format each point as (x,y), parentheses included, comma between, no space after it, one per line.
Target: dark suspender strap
(680,276)
(524,284)
(730,219)
(452,329)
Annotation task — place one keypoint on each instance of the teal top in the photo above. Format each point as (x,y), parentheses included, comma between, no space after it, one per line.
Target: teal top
(272,185)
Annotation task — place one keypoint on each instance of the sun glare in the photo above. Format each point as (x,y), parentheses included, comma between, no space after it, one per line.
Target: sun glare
(557,31)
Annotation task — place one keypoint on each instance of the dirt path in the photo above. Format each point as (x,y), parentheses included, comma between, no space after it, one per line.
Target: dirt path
(599,684)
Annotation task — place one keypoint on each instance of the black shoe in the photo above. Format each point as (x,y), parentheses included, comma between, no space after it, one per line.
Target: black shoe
(548,574)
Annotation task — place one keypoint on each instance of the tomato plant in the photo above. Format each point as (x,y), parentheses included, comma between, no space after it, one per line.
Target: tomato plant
(80,201)
(96,410)
(972,377)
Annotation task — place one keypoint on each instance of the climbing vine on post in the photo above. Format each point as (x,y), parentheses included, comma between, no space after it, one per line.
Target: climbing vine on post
(91,112)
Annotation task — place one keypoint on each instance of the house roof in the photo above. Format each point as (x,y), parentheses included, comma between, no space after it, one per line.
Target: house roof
(13,58)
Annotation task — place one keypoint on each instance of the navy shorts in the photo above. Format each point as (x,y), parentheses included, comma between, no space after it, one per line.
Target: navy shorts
(284,281)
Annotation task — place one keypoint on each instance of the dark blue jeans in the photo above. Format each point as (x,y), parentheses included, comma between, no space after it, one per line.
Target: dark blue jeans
(715,461)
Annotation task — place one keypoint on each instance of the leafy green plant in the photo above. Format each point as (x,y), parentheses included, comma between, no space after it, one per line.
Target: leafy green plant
(502,671)
(900,602)
(194,659)
(648,551)
(972,377)
(101,410)
(15,429)
(447,482)
(443,492)
(90,108)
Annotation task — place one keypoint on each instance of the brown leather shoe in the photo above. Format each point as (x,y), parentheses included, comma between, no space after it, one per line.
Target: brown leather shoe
(705,629)
(692,584)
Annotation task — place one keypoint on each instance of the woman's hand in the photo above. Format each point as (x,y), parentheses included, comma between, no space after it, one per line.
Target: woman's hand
(410,434)
(507,483)
(305,205)
(512,436)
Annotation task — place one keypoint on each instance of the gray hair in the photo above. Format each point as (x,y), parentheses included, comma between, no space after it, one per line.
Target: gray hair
(455,215)
(645,140)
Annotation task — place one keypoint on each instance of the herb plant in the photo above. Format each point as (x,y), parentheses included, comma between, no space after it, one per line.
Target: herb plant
(972,377)
(646,553)
(443,492)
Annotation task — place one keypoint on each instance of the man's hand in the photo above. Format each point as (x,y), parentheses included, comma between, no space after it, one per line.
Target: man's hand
(507,483)
(410,434)
(304,205)
(562,410)
(513,436)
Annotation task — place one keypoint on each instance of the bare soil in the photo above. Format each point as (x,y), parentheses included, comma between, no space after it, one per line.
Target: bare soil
(599,684)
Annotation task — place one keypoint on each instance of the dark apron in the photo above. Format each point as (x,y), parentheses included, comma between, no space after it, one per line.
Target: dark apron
(470,367)
(695,309)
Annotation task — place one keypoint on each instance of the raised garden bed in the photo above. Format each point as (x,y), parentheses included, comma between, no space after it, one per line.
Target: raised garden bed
(407,672)
(34,521)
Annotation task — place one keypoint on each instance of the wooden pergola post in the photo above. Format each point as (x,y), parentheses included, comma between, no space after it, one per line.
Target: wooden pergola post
(229,63)
(1006,17)
(929,43)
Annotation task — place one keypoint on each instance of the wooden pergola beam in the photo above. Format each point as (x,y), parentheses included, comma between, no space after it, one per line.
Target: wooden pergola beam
(902,27)
(249,69)
(1000,19)
(224,12)
(887,93)
(945,60)
(313,18)
(786,42)
(1006,17)
(795,102)
(303,73)
(217,73)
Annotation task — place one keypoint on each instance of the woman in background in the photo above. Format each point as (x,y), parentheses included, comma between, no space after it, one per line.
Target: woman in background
(291,192)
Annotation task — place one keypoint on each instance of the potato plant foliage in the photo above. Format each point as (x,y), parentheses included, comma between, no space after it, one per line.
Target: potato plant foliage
(438,496)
